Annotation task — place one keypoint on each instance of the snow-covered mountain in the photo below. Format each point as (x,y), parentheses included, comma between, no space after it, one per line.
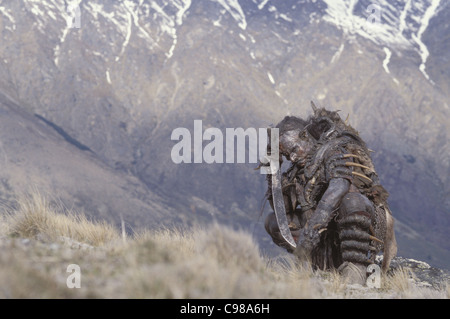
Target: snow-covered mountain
(395,26)
(398,26)
(116,77)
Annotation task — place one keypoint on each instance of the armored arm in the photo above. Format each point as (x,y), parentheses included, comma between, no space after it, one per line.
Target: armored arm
(310,234)
(338,167)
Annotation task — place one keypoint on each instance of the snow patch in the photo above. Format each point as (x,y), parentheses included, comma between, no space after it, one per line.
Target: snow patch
(233,8)
(399,26)
(251,38)
(64,12)
(216,23)
(403,15)
(133,9)
(270,78)
(108,78)
(423,50)
(172,48)
(338,53)
(127,36)
(182,7)
(387,59)
(341,13)
(285,17)
(262,4)
(7,14)
(170,23)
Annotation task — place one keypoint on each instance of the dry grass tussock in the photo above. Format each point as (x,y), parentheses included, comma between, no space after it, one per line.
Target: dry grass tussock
(35,216)
(209,262)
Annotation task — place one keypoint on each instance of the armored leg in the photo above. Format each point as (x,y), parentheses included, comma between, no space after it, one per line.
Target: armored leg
(355,219)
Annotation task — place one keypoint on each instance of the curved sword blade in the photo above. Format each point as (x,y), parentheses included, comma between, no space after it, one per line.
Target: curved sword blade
(280,209)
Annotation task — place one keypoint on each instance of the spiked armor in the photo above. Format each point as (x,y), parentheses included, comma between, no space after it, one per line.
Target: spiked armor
(335,204)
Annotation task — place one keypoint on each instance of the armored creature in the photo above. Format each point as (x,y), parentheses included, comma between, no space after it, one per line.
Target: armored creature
(335,208)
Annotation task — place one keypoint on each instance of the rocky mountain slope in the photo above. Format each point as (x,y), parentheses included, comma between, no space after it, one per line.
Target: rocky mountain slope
(35,158)
(110,81)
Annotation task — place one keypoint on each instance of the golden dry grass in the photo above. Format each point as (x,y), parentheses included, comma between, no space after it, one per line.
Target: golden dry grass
(209,262)
(34,216)
(398,280)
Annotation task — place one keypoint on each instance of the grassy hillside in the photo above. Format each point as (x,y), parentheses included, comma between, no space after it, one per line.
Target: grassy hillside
(39,240)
